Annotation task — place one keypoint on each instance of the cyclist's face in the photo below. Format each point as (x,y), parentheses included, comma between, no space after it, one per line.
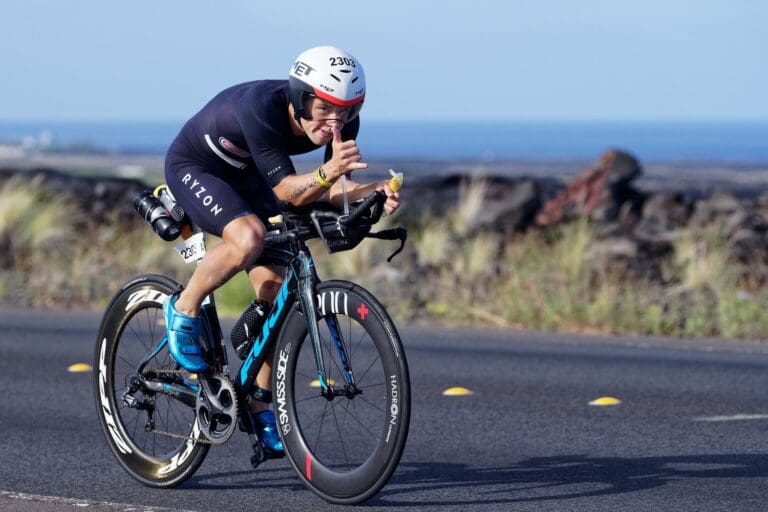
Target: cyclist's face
(325,116)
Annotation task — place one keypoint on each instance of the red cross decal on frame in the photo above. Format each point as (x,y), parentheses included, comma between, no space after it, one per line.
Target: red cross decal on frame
(362,310)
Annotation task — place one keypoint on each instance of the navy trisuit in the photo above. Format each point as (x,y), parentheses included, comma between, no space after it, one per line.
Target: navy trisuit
(227,157)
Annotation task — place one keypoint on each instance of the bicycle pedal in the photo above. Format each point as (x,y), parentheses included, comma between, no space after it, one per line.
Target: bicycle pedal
(259,455)
(244,427)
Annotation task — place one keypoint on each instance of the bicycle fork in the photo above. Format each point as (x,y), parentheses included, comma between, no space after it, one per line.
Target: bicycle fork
(308,281)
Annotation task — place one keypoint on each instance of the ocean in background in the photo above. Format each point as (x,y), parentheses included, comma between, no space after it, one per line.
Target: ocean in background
(742,143)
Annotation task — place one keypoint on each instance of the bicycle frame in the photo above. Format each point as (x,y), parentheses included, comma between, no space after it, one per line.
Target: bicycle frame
(299,284)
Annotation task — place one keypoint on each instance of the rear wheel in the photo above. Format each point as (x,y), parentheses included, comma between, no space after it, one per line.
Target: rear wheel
(155,439)
(344,446)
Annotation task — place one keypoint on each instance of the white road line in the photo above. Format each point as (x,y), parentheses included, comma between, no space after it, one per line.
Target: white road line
(124,507)
(733,417)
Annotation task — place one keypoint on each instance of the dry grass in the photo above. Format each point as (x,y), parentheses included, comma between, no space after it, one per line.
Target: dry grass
(449,271)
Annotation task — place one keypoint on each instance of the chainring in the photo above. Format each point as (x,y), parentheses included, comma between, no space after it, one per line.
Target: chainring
(216,407)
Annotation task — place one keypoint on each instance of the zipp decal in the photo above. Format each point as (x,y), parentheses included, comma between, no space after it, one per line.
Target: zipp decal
(179,458)
(147,295)
(337,303)
(121,444)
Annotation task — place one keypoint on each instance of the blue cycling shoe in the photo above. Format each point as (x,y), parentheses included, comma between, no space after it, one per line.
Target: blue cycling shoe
(183,334)
(266,430)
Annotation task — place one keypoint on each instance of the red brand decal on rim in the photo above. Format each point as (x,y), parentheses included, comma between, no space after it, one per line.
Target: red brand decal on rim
(309,467)
(363,311)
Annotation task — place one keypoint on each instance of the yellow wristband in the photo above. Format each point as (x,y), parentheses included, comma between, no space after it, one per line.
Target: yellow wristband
(322,181)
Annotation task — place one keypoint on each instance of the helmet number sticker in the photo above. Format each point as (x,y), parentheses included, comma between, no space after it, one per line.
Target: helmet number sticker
(342,61)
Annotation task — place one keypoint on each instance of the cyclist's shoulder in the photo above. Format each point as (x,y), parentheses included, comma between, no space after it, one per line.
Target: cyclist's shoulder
(261,105)
(260,95)
(261,89)
(259,98)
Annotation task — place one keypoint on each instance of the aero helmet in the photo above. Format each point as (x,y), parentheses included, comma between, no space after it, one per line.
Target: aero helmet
(328,73)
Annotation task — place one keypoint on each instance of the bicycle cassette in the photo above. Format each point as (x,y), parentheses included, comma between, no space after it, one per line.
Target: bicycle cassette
(216,407)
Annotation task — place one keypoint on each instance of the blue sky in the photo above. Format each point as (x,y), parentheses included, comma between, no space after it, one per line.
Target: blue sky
(509,60)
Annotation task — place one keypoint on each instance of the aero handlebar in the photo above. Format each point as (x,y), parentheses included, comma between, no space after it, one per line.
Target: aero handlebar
(372,207)
(376,199)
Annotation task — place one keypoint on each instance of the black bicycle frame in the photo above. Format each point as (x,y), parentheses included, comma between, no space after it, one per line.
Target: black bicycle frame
(299,285)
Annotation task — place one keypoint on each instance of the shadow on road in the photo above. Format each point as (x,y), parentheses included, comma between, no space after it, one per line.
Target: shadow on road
(556,478)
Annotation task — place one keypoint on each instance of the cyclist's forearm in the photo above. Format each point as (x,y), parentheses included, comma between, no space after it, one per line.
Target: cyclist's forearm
(300,189)
(354,191)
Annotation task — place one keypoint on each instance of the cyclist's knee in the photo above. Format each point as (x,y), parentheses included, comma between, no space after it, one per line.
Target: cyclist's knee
(245,236)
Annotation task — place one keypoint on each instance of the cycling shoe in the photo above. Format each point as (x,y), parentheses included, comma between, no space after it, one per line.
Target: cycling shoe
(183,334)
(266,430)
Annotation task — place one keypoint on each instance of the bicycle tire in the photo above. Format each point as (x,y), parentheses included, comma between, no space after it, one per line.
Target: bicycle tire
(132,325)
(355,457)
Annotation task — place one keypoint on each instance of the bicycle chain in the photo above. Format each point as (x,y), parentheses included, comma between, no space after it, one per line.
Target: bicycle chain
(169,372)
(200,440)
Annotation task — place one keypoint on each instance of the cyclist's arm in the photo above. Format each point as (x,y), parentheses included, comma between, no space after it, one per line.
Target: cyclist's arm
(359,190)
(299,189)
(266,140)
(302,189)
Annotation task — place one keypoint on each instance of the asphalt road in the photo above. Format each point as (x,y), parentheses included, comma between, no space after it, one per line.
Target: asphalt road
(690,433)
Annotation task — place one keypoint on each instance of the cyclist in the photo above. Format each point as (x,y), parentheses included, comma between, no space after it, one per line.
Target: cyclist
(229,166)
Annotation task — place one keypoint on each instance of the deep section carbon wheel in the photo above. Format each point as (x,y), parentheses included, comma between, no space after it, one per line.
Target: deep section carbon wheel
(344,438)
(154,435)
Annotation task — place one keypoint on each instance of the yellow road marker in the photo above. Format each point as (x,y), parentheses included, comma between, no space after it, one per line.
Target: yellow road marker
(79,368)
(605,400)
(316,383)
(457,391)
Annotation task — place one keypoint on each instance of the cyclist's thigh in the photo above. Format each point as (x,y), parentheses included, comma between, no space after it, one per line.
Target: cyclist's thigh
(264,204)
(210,201)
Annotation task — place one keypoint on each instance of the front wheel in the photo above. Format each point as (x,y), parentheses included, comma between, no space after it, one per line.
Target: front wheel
(154,436)
(344,439)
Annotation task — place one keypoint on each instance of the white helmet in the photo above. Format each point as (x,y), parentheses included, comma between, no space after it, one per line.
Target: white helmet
(328,73)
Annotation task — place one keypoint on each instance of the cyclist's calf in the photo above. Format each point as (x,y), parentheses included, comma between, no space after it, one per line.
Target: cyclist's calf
(266,281)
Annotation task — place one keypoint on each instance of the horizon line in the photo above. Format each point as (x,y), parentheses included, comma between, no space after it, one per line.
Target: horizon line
(724,120)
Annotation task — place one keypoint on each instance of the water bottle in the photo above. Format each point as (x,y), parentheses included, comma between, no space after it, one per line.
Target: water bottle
(153,211)
(248,327)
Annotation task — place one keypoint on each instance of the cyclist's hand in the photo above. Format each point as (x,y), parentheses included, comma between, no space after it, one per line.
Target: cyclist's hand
(345,157)
(393,198)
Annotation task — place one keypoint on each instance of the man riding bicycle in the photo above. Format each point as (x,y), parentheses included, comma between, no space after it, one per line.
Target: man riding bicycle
(230,165)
